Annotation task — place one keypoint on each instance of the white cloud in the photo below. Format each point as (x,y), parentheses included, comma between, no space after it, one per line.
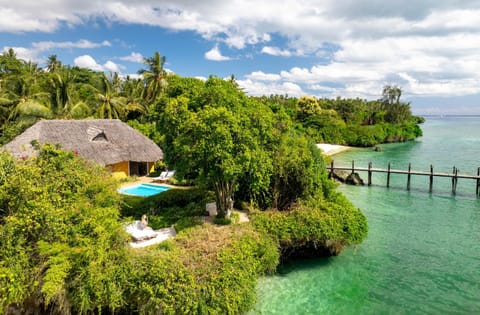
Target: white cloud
(83,43)
(215,55)
(23,53)
(87,61)
(275,51)
(262,88)
(111,66)
(37,48)
(201,78)
(133,57)
(261,76)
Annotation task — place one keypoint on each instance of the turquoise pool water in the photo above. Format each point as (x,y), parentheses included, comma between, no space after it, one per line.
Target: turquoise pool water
(143,190)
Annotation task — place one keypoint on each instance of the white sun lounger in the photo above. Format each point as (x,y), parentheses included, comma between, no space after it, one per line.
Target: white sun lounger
(164,176)
(161,176)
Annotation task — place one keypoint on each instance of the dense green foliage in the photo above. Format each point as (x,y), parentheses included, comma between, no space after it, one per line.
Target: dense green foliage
(63,249)
(61,241)
(319,226)
(353,122)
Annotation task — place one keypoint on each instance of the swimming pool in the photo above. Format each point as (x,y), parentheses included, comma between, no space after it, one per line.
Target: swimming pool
(143,190)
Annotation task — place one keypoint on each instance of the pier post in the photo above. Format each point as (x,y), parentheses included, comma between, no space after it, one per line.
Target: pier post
(478,182)
(430,188)
(454,180)
(388,175)
(409,175)
(330,175)
(370,174)
(353,166)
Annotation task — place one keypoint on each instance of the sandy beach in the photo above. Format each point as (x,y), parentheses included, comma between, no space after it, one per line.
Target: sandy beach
(331,149)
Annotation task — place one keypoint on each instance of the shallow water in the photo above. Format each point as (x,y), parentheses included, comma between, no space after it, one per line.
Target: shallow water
(422,254)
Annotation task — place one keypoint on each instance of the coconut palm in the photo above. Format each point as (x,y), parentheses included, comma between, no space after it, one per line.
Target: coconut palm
(154,77)
(53,64)
(132,90)
(25,92)
(61,84)
(110,103)
(391,94)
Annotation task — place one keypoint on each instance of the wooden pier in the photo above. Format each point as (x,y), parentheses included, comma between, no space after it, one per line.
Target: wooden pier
(455,175)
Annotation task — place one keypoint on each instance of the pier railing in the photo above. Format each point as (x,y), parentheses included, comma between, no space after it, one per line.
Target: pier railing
(455,175)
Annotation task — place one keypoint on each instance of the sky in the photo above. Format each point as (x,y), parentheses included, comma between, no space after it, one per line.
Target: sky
(322,48)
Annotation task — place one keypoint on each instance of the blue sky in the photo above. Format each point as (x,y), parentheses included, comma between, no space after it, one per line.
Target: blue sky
(325,48)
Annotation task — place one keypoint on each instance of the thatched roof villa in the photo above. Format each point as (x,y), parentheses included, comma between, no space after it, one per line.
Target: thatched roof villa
(108,142)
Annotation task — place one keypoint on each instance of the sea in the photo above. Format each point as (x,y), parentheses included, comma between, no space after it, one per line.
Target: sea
(422,252)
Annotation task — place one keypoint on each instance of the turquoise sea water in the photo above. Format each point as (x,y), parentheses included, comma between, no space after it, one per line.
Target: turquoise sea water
(422,254)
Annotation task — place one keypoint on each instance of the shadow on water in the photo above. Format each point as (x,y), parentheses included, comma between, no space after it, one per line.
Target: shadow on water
(444,193)
(303,264)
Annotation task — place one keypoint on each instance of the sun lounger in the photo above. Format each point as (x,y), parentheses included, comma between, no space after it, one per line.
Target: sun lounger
(164,178)
(140,234)
(160,177)
(160,236)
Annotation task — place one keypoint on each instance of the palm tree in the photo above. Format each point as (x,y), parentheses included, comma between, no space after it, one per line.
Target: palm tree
(31,102)
(111,103)
(20,93)
(132,90)
(61,84)
(154,77)
(53,64)
(391,94)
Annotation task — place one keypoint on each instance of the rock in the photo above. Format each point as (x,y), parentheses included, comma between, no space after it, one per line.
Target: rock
(347,177)
(211,209)
(340,175)
(354,179)
(377,149)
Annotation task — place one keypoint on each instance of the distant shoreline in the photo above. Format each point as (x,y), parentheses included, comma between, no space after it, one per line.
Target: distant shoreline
(449,115)
(332,149)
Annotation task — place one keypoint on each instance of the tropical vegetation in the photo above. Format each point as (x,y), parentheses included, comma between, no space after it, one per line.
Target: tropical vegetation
(63,248)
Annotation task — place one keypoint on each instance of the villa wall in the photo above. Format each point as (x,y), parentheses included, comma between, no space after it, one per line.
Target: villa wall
(119,168)
(126,168)
(151,167)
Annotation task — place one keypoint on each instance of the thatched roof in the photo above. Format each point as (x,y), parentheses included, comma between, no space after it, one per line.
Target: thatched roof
(105,141)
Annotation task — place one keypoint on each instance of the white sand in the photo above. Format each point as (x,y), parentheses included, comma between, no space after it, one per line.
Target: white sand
(331,149)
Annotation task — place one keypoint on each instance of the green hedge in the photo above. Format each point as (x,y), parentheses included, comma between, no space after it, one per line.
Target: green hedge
(324,225)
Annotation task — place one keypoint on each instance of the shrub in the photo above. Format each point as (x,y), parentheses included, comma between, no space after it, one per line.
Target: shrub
(62,247)
(222,221)
(319,225)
